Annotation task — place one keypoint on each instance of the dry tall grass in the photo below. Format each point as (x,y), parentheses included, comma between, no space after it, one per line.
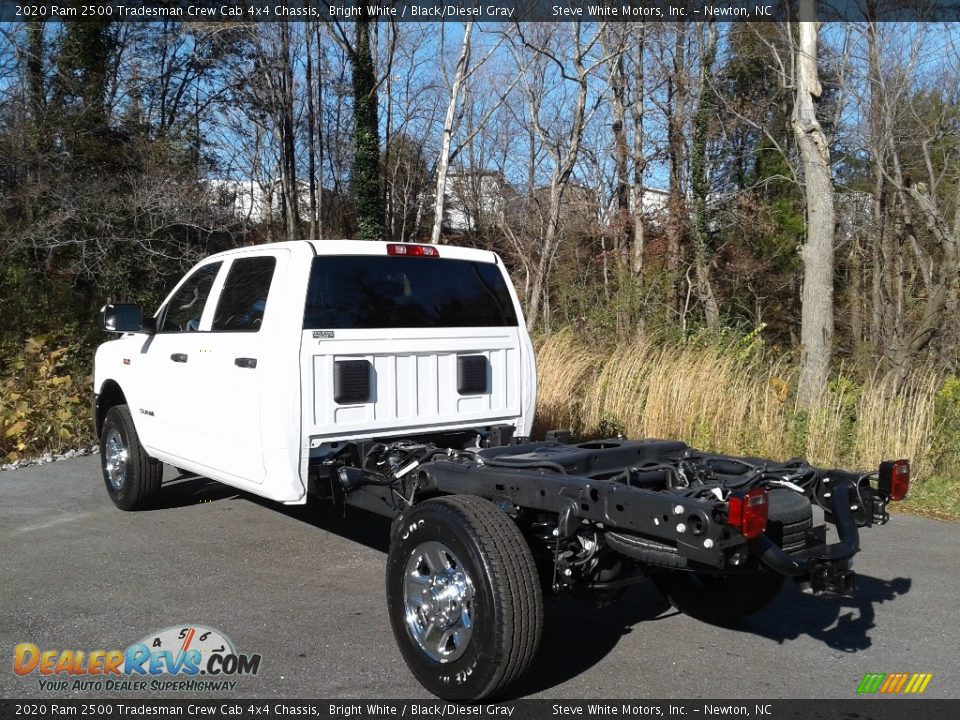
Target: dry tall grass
(727,401)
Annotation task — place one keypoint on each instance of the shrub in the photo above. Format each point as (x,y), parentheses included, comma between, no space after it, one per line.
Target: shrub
(947,422)
(43,401)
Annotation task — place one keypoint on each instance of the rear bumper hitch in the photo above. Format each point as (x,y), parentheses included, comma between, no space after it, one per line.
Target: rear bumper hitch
(824,568)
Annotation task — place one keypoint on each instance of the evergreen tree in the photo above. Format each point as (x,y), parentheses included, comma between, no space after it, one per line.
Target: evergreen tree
(367,187)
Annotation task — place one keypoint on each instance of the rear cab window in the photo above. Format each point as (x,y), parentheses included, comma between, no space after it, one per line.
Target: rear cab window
(376,292)
(243,299)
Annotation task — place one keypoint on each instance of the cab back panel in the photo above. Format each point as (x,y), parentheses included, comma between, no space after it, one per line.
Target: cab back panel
(413,380)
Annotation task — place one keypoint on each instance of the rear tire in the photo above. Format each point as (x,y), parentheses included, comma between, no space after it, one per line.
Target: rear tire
(718,599)
(464,597)
(132,477)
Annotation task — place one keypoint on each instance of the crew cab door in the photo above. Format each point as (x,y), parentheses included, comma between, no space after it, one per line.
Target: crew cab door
(168,400)
(241,349)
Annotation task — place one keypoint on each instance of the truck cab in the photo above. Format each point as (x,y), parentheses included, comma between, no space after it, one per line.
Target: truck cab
(265,358)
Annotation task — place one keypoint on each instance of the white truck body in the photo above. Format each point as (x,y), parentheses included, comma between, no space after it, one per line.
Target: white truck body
(248,402)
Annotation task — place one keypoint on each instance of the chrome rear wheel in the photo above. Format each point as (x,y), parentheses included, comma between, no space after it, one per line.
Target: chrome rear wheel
(438,601)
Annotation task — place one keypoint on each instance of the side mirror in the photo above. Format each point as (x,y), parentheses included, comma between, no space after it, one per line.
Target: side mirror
(123,318)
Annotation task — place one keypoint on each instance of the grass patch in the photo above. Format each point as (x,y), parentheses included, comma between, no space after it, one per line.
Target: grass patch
(729,396)
(937,496)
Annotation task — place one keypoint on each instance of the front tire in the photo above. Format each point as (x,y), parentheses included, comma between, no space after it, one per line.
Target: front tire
(718,599)
(464,597)
(132,477)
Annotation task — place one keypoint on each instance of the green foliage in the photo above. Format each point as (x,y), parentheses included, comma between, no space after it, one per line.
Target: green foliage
(947,423)
(744,345)
(43,400)
(938,494)
(84,59)
(844,394)
(610,427)
(367,188)
(798,427)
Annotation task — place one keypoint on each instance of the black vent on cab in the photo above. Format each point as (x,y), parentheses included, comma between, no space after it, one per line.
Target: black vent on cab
(471,374)
(351,381)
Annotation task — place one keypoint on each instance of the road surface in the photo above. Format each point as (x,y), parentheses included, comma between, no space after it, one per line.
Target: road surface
(303,587)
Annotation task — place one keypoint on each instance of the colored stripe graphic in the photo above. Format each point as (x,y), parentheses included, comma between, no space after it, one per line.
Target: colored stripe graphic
(890,682)
(921,682)
(894,683)
(871,682)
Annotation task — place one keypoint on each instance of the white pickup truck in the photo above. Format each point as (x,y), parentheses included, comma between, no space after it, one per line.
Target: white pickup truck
(399,378)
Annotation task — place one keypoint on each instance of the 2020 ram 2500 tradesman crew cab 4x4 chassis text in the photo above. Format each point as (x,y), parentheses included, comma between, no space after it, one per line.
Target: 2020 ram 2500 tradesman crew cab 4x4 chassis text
(399,378)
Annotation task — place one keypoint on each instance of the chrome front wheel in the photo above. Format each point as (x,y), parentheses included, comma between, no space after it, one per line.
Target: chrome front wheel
(115,459)
(131,476)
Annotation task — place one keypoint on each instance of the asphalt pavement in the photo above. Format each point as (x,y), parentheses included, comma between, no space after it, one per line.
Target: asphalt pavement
(304,588)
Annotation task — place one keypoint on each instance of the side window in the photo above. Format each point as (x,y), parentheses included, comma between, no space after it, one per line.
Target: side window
(244,296)
(185,308)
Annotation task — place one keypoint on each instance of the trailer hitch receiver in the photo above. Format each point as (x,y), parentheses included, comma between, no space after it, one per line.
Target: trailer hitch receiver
(828,577)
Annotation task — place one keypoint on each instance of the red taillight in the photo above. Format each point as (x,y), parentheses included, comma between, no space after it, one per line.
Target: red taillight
(410,250)
(748,512)
(894,481)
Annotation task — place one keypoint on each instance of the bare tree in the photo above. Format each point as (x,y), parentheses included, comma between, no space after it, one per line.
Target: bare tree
(912,137)
(816,329)
(477,118)
(638,150)
(616,46)
(314,93)
(563,146)
(700,184)
(443,163)
(676,112)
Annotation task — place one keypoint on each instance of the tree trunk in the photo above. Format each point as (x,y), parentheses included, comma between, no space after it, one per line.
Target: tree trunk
(311,135)
(816,330)
(639,159)
(700,182)
(617,81)
(35,80)
(288,160)
(443,163)
(855,297)
(676,202)
(367,187)
(559,181)
(321,223)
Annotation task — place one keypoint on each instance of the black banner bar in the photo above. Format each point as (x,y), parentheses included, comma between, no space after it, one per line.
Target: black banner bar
(892,708)
(247,11)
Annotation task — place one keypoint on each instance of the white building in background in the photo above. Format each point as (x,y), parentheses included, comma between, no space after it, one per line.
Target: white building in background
(245,199)
(471,196)
(255,203)
(473,200)
(653,203)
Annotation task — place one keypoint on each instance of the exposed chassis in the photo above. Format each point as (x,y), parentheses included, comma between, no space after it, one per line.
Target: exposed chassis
(660,496)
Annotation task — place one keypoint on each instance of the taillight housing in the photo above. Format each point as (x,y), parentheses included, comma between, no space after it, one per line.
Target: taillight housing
(894,481)
(748,512)
(411,250)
